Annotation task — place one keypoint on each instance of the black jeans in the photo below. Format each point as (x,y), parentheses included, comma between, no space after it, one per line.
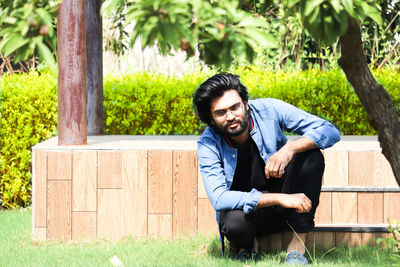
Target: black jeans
(302,175)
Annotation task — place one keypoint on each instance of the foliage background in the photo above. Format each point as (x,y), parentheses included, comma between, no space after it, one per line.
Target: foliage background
(151,104)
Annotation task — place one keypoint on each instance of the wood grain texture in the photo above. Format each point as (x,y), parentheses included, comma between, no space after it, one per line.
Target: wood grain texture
(271,242)
(39,233)
(160,225)
(370,238)
(110,169)
(200,185)
(84,225)
(109,214)
(40,188)
(134,190)
(207,222)
(160,181)
(84,183)
(324,209)
(184,192)
(320,240)
(370,207)
(344,207)
(336,168)
(59,165)
(361,168)
(383,174)
(59,208)
(391,206)
(347,238)
(286,237)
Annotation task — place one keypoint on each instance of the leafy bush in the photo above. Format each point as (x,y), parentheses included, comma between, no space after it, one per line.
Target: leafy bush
(150,104)
(28,114)
(158,104)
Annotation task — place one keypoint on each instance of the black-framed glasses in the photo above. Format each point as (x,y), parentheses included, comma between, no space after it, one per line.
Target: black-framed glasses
(235,110)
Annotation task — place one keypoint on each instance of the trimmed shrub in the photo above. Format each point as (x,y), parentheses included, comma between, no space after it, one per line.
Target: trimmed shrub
(159,104)
(28,113)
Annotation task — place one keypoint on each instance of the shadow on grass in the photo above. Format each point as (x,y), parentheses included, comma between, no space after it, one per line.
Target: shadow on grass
(365,255)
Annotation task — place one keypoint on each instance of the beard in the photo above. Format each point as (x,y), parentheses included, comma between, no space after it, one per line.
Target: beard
(243,123)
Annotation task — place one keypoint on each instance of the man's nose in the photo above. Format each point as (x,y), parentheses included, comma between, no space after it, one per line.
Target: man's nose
(230,116)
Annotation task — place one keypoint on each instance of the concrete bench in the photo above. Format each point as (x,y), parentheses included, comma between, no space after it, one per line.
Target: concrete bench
(141,186)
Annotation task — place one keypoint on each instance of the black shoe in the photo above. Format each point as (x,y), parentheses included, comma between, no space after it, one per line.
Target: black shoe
(246,255)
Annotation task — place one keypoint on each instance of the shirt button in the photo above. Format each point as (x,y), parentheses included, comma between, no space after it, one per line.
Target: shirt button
(230,176)
(233,155)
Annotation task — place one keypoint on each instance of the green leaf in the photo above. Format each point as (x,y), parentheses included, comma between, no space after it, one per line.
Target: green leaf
(45,16)
(14,42)
(47,56)
(262,38)
(310,5)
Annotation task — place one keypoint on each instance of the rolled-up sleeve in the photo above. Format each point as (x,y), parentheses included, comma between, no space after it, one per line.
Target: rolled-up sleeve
(211,168)
(323,133)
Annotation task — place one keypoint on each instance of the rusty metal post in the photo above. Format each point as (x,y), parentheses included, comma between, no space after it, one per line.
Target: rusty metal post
(94,82)
(71,34)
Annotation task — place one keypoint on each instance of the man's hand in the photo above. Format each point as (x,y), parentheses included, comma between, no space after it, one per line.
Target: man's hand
(278,161)
(299,201)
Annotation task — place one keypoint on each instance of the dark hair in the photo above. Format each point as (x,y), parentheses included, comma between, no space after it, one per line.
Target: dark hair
(214,87)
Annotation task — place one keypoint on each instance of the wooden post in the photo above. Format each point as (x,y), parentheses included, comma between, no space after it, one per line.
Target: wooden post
(71,34)
(94,82)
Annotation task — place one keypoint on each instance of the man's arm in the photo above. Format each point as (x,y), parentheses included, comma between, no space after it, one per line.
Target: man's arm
(278,161)
(299,201)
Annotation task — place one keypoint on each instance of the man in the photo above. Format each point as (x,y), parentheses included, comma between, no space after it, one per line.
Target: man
(257,182)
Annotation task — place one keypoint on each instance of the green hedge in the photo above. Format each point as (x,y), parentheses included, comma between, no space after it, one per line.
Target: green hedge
(158,104)
(28,114)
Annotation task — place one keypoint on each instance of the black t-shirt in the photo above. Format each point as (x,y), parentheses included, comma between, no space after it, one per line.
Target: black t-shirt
(250,172)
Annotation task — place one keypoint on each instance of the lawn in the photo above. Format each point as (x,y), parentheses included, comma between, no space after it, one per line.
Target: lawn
(18,249)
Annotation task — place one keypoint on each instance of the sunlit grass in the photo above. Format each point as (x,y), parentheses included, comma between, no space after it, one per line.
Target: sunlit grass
(18,249)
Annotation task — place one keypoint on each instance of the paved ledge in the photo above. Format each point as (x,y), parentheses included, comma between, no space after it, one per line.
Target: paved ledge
(182,142)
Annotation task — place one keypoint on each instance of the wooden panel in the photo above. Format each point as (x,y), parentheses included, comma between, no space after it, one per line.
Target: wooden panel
(40,188)
(160,225)
(271,243)
(324,209)
(336,168)
(200,185)
(370,238)
(59,165)
(109,214)
(134,190)
(361,168)
(59,210)
(350,239)
(83,225)
(286,238)
(84,183)
(39,233)
(383,174)
(207,222)
(184,192)
(370,208)
(110,169)
(160,181)
(344,207)
(391,208)
(320,240)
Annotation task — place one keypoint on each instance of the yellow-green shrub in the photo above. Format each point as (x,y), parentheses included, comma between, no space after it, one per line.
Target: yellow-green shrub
(158,104)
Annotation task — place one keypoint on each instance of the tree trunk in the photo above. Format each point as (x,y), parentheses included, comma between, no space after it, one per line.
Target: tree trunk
(375,99)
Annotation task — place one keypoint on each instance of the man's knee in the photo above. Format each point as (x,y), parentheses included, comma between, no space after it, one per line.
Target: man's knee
(234,223)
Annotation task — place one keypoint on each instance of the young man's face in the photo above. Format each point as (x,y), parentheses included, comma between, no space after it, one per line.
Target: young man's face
(230,114)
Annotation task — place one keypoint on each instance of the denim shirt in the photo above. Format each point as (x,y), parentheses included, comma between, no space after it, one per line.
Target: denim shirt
(271,117)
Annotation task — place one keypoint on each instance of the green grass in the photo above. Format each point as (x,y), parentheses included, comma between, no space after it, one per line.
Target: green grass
(18,249)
